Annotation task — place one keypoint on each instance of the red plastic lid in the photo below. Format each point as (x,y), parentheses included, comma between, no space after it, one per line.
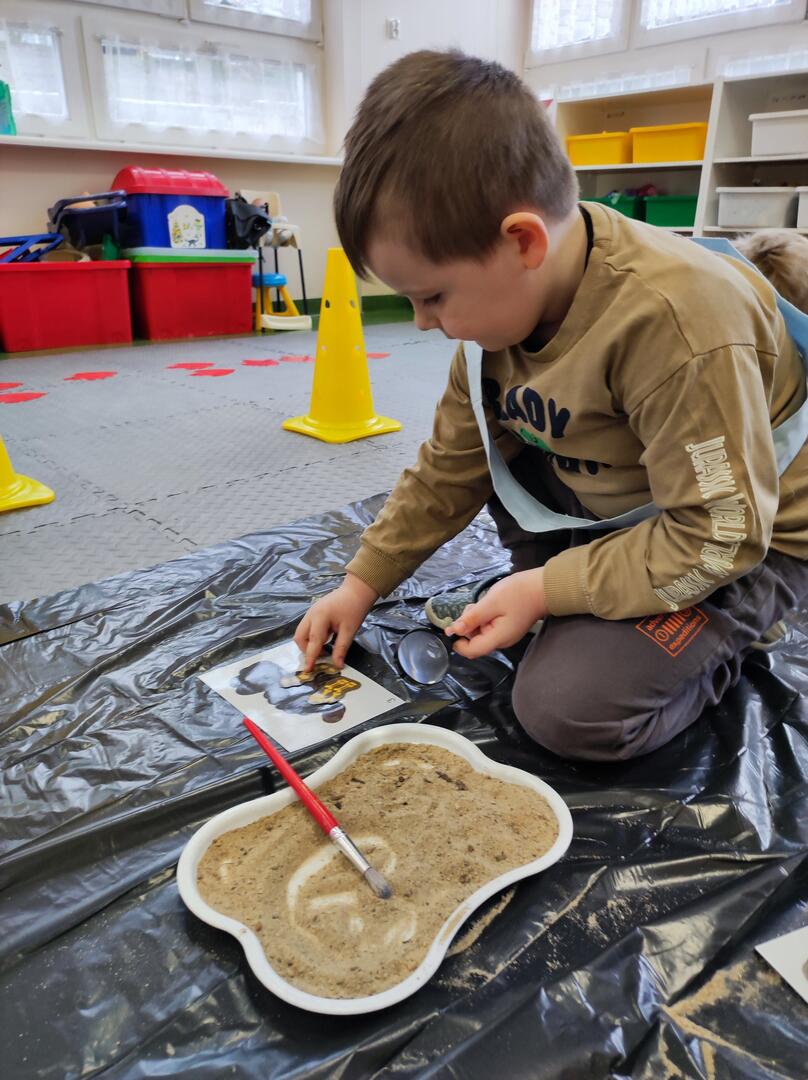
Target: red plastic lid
(134,180)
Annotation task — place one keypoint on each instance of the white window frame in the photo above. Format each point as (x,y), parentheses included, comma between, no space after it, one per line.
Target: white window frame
(785,62)
(250,20)
(170,36)
(631,81)
(174,9)
(66,26)
(794,11)
(617,43)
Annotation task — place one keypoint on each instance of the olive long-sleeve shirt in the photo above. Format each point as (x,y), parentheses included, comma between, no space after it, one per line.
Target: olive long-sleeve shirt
(662,383)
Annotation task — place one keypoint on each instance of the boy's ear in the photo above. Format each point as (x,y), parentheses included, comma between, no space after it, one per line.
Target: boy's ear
(530,233)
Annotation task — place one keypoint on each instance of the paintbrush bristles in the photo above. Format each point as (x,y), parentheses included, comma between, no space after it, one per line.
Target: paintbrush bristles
(378,883)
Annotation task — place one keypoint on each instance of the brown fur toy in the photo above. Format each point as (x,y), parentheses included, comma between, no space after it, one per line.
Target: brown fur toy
(783,258)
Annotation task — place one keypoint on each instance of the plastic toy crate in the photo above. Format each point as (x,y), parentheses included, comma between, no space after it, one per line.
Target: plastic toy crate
(674,211)
(669,142)
(88,225)
(606,148)
(172,208)
(780,132)
(61,305)
(756,207)
(191,299)
(802,208)
(630,205)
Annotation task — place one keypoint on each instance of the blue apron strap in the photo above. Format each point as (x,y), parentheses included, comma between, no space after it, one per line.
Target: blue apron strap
(790,436)
(532,515)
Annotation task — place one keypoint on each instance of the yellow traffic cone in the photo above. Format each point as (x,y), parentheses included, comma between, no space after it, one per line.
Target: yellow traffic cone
(17,491)
(341,408)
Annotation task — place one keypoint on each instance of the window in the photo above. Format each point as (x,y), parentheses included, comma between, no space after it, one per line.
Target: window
(31,63)
(176,8)
(671,20)
(630,82)
(208,93)
(656,13)
(41,61)
(298,10)
(292,18)
(565,29)
(764,63)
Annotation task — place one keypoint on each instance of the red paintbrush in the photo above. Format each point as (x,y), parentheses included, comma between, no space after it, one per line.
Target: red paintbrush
(321,814)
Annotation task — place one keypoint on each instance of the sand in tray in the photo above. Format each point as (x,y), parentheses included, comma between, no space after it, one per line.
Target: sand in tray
(435,828)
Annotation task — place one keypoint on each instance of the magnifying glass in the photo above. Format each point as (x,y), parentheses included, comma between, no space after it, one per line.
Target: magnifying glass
(424,656)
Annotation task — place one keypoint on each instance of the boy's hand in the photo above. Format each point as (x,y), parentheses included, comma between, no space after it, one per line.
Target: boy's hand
(339,612)
(503,616)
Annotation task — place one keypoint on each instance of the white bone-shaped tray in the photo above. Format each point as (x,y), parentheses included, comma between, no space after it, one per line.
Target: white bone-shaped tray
(239,816)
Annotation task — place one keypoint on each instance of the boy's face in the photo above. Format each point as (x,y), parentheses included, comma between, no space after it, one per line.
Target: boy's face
(496,302)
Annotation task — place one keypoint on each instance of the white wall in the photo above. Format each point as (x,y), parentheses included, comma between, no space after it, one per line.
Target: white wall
(488,28)
(358,46)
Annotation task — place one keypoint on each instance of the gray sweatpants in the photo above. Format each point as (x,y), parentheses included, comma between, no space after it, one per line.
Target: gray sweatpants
(609,690)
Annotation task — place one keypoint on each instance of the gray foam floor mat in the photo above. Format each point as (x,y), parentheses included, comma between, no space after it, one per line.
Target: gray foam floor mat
(154,461)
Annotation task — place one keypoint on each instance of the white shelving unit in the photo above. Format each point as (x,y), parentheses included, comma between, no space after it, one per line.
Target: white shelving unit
(726,106)
(681,105)
(728,162)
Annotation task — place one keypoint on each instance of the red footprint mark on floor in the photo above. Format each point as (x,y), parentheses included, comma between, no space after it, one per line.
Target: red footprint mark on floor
(15,399)
(9,385)
(377,355)
(90,376)
(260,363)
(187,367)
(297,359)
(216,371)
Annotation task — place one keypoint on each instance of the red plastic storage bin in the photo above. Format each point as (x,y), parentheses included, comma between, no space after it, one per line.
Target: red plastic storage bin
(60,305)
(188,300)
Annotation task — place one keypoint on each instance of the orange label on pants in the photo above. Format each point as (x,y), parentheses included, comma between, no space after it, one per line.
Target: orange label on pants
(675,630)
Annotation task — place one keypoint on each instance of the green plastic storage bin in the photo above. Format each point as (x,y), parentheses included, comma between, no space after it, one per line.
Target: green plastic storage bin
(630,205)
(675,211)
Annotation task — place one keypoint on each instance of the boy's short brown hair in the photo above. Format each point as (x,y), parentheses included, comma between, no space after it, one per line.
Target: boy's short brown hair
(442,148)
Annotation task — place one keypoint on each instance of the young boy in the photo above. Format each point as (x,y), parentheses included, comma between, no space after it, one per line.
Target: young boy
(622,366)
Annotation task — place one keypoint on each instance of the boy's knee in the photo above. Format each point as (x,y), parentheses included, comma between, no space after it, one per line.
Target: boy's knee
(569,723)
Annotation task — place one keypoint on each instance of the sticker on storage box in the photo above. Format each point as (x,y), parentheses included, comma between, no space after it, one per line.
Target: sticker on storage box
(186,227)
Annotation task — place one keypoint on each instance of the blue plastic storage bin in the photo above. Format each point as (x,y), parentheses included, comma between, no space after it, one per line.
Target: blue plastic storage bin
(172,208)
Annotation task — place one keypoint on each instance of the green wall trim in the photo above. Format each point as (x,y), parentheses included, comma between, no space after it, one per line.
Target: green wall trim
(368,303)
(375,309)
(371,303)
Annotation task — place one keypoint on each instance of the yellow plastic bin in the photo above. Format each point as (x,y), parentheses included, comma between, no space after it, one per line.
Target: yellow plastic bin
(607,148)
(669,142)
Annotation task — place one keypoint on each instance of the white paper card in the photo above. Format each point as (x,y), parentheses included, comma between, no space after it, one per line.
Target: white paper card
(295,709)
(788,955)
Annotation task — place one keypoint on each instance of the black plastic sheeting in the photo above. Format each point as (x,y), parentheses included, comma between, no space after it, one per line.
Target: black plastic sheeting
(631,957)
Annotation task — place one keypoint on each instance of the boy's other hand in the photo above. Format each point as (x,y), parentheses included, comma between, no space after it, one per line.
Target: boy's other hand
(503,616)
(338,613)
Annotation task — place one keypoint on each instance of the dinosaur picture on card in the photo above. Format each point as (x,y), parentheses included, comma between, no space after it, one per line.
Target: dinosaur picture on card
(295,707)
